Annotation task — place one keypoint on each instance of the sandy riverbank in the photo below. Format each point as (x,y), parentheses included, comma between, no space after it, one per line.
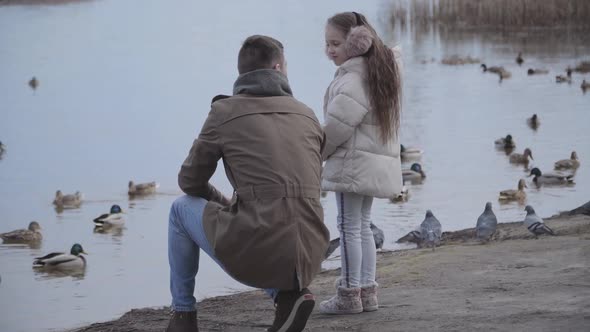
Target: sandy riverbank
(514,283)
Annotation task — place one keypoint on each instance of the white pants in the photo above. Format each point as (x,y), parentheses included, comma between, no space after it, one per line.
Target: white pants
(357,245)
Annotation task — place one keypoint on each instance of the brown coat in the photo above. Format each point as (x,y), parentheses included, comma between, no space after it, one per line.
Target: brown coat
(272,230)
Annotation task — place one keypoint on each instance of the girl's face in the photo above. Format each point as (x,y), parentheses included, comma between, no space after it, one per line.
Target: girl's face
(335,45)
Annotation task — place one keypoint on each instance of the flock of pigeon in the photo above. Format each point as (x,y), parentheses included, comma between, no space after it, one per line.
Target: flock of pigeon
(73,260)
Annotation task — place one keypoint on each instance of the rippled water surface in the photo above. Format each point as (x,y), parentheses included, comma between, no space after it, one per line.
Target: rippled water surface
(124,87)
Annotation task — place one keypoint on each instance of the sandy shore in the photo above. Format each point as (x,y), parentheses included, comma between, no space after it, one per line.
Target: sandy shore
(515,283)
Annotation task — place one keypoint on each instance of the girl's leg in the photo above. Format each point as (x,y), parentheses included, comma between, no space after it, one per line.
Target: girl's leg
(369,259)
(349,225)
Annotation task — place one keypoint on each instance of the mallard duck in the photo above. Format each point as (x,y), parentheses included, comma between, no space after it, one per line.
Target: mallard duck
(564,79)
(535,224)
(519,59)
(409,152)
(551,178)
(114,218)
(533,121)
(414,174)
(33,83)
(585,85)
(505,142)
(514,195)
(32,234)
(60,260)
(142,188)
(2,147)
(517,158)
(486,224)
(572,163)
(67,201)
(532,71)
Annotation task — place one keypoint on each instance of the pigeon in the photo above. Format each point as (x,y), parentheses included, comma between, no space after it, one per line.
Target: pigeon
(334,244)
(430,230)
(535,224)
(486,224)
(413,236)
(378,236)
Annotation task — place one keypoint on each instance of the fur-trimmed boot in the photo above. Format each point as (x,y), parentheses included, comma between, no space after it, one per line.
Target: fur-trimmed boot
(346,301)
(369,298)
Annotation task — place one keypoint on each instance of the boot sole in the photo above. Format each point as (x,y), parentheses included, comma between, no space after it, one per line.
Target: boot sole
(299,314)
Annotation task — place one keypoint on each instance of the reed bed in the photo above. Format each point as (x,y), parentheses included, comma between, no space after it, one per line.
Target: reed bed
(493,13)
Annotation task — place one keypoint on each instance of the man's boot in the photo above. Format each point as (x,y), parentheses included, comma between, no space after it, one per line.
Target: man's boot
(183,321)
(293,309)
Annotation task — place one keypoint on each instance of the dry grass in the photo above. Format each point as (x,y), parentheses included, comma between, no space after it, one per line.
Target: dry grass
(493,13)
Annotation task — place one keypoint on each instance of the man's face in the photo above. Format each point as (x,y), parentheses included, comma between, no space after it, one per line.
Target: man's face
(335,45)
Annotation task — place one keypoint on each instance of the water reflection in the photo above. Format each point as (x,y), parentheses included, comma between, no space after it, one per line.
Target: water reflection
(48,274)
(20,245)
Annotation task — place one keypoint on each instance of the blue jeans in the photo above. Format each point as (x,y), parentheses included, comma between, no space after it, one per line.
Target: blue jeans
(186,238)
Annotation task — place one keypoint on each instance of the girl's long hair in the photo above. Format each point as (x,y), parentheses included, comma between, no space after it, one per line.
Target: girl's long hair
(383,75)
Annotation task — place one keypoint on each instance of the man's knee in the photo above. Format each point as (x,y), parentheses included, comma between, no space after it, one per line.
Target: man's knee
(182,203)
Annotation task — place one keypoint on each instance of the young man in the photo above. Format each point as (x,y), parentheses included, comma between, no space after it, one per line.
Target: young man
(271,233)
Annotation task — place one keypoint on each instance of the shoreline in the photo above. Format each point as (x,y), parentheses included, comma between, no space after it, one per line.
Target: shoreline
(513,283)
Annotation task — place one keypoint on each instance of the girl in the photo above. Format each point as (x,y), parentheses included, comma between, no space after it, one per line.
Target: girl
(362,113)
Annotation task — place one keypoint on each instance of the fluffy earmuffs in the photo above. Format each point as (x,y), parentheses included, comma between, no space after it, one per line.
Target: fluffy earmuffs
(358,41)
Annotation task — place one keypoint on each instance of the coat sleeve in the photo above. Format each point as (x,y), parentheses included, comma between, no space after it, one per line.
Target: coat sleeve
(200,164)
(343,114)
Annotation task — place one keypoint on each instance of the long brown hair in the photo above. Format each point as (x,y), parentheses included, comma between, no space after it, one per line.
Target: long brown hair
(383,76)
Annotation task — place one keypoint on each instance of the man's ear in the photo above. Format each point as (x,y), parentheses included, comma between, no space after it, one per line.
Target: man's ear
(277,67)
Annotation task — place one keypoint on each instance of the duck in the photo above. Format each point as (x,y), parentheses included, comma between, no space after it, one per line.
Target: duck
(63,261)
(585,85)
(430,231)
(142,188)
(533,121)
(2,148)
(113,218)
(486,224)
(409,152)
(514,195)
(551,178)
(564,79)
(517,158)
(414,174)
(67,201)
(493,69)
(504,74)
(505,142)
(532,71)
(402,196)
(34,83)
(32,234)
(519,59)
(572,163)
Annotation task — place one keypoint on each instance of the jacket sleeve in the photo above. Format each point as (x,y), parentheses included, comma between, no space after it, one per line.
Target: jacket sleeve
(201,163)
(343,114)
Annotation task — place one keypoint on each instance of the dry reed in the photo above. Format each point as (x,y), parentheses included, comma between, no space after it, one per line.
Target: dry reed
(493,13)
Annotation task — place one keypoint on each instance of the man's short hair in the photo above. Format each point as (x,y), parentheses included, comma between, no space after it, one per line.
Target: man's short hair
(259,52)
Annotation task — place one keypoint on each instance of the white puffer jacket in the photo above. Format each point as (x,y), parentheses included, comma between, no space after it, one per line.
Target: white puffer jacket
(356,159)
